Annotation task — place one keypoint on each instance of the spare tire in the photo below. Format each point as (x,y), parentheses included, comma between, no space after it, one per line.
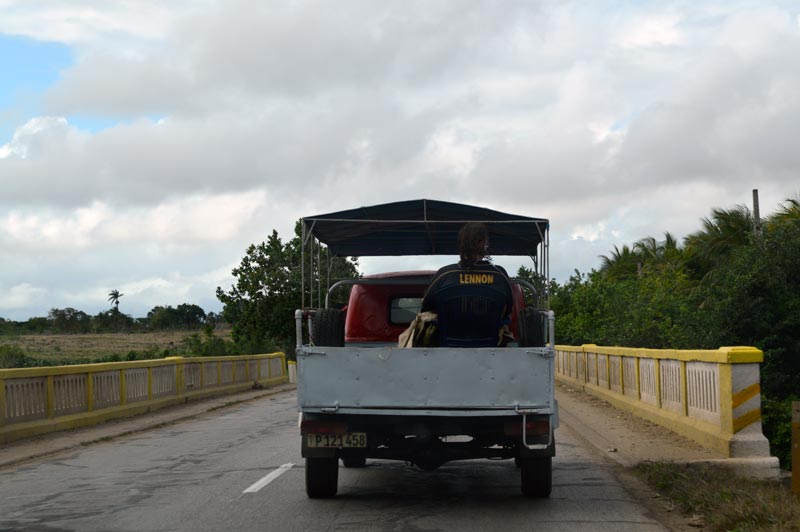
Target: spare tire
(531,323)
(327,327)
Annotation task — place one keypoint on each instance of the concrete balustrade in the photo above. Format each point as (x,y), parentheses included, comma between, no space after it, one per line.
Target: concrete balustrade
(40,400)
(710,396)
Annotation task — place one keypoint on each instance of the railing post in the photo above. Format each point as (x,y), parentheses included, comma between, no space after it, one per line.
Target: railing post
(219,373)
(596,368)
(726,407)
(89,391)
(796,448)
(622,374)
(684,390)
(638,379)
(179,377)
(51,397)
(233,371)
(123,388)
(585,359)
(2,402)
(149,382)
(657,376)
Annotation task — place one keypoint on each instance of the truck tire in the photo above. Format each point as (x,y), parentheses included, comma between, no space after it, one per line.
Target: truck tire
(537,476)
(327,326)
(354,461)
(530,324)
(322,477)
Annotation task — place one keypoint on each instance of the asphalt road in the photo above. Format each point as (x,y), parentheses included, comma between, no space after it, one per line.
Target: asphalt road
(239,469)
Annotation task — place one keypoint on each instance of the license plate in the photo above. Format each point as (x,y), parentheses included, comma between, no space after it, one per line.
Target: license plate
(351,439)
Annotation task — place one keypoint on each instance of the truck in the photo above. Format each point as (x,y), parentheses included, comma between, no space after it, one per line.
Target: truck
(362,397)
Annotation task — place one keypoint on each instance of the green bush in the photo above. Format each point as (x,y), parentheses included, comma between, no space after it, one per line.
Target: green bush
(777,422)
(13,357)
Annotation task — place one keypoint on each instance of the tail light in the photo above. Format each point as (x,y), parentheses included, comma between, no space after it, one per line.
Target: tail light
(320,426)
(533,427)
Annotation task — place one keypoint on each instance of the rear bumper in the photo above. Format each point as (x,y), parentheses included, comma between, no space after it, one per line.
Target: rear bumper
(416,437)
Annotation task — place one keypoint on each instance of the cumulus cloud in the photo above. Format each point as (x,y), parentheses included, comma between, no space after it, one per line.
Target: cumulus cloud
(188,221)
(616,122)
(32,138)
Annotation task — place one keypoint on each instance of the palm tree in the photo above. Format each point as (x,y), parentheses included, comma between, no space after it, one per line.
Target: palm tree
(724,231)
(113,298)
(620,263)
(658,254)
(790,210)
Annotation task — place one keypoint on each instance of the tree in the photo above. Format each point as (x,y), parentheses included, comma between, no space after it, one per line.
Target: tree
(538,281)
(261,303)
(113,298)
(723,232)
(788,212)
(190,316)
(620,263)
(69,320)
(656,255)
(186,316)
(111,321)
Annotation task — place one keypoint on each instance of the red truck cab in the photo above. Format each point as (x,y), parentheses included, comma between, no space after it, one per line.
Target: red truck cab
(383,307)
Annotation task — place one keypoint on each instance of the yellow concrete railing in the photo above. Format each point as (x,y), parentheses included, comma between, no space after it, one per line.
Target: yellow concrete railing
(710,396)
(39,400)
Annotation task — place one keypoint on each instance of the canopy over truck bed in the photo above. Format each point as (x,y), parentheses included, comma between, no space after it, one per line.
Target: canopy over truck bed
(422,227)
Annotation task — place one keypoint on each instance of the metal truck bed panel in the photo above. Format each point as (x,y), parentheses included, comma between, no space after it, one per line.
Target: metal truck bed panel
(425,379)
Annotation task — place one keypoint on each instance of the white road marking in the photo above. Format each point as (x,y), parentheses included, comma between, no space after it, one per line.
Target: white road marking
(269,478)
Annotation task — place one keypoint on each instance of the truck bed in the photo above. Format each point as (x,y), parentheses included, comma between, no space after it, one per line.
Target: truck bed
(425,381)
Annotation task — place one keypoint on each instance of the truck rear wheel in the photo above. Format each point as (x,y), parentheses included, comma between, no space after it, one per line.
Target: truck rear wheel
(327,327)
(322,477)
(537,476)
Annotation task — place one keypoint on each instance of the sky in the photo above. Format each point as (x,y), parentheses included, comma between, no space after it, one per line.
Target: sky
(145,144)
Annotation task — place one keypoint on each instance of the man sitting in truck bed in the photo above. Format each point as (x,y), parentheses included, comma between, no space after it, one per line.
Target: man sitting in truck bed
(472,298)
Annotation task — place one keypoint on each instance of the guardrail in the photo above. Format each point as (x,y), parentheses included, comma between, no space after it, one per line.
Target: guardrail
(710,396)
(39,400)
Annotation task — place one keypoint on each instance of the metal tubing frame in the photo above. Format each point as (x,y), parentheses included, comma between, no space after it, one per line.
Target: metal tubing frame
(541,260)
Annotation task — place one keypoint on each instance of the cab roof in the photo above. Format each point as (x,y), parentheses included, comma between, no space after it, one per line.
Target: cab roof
(422,227)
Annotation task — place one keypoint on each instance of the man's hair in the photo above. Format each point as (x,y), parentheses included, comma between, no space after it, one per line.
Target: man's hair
(472,240)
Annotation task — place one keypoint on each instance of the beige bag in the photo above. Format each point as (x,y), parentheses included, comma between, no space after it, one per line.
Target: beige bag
(421,332)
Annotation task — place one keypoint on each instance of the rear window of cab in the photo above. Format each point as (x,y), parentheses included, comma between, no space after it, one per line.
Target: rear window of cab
(403,309)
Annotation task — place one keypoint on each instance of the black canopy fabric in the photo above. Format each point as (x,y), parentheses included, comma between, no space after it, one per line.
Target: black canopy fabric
(422,227)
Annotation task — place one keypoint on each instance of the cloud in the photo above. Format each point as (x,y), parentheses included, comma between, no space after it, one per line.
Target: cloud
(652,30)
(229,119)
(90,21)
(187,221)
(30,139)
(20,296)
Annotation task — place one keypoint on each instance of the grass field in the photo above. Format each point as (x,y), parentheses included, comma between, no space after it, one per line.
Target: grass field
(68,347)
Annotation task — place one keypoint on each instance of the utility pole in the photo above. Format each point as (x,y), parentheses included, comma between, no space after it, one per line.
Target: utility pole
(756,215)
